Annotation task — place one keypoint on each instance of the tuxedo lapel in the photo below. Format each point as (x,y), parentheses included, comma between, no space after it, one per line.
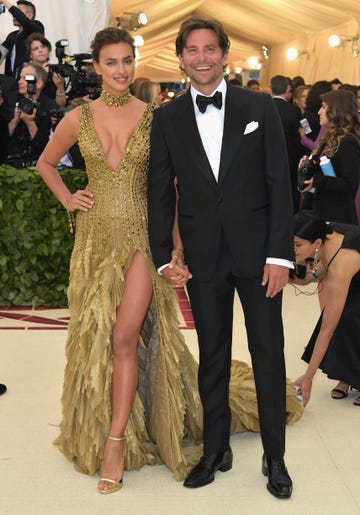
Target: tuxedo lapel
(236,118)
(190,137)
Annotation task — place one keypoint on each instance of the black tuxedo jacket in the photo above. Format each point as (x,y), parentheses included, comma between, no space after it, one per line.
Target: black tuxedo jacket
(250,205)
(290,116)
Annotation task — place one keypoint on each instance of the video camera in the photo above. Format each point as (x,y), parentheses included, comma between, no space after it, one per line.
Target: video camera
(27,105)
(81,82)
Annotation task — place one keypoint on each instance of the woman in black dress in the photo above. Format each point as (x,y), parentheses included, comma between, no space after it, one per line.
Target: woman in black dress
(334,346)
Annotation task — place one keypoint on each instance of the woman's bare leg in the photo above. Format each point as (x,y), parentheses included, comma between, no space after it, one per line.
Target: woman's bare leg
(129,320)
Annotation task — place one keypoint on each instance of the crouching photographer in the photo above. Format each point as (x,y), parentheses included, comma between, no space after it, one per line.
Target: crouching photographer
(30,126)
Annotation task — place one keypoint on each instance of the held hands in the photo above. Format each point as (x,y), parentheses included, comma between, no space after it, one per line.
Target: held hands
(276,277)
(304,382)
(83,200)
(177,273)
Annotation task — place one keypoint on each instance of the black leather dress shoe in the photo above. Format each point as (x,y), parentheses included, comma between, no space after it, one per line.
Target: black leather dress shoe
(204,472)
(279,483)
(2,388)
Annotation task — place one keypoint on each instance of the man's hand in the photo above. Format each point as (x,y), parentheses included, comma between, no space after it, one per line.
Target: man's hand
(276,277)
(27,117)
(177,273)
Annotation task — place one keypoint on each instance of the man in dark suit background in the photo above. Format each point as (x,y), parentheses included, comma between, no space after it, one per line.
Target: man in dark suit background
(235,223)
(14,47)
(290,116)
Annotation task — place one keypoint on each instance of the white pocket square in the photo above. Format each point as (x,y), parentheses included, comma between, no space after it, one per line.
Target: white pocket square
(251,127)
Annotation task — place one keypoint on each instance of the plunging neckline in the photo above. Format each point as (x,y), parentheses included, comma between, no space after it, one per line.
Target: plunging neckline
(113,170)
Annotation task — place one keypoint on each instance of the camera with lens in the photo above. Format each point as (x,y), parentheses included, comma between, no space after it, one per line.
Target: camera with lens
(306,171)
(27,105)
(80,82)
(83,81)
(299,271)
(62,67)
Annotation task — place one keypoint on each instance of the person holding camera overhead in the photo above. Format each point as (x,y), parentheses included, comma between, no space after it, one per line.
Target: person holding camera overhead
(334,167)
(13,48)
(29,129)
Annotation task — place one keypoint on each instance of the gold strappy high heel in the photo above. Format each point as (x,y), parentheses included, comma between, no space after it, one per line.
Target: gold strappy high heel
(117,484)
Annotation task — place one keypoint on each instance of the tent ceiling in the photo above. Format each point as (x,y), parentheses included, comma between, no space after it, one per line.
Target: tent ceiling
(249,23)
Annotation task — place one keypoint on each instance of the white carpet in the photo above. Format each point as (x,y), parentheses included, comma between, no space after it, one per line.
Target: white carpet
(35,479)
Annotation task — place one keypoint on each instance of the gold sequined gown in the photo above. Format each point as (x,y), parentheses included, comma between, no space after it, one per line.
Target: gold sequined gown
(166,417)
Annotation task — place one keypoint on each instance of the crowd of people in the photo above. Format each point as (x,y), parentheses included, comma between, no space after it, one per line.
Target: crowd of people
(202,191)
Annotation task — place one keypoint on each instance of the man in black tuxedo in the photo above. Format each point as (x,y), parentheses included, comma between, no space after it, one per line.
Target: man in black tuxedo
(14,46)
(235,223)
(290,116)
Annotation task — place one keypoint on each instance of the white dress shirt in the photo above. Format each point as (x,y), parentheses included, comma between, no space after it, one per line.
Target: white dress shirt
(211,127)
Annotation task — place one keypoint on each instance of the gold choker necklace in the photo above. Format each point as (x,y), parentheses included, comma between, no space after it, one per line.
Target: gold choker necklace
(116,100)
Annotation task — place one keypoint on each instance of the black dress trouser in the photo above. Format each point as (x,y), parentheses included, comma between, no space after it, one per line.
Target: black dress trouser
(212,305)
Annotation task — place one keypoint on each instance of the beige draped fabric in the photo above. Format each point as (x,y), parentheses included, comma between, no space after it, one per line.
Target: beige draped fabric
(250,24)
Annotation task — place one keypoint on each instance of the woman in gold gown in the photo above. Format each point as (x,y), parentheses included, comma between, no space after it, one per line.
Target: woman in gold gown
(129,374)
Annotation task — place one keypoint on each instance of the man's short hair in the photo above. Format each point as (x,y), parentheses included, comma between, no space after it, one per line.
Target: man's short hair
(40,72)
(28,4)
(194,23)
(279,84)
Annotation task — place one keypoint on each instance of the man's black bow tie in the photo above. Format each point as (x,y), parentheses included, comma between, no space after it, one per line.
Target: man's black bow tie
(203,102)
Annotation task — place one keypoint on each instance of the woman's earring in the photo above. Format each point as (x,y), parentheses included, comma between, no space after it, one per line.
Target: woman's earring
(316,262)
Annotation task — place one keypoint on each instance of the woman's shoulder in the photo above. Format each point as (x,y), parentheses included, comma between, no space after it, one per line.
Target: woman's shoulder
(351,235)
(350,140)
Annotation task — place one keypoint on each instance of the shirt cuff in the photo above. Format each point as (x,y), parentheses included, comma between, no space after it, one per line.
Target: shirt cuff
(279,261)
(161,268)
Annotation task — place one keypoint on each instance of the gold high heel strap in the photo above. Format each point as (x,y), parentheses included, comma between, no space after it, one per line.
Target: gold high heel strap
(112,481)
(117,438)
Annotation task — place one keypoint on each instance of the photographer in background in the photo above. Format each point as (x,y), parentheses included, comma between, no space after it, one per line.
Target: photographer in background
(38,50)
(8,91)
(3,129)
(8,95)
(30,126)
(13,48)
